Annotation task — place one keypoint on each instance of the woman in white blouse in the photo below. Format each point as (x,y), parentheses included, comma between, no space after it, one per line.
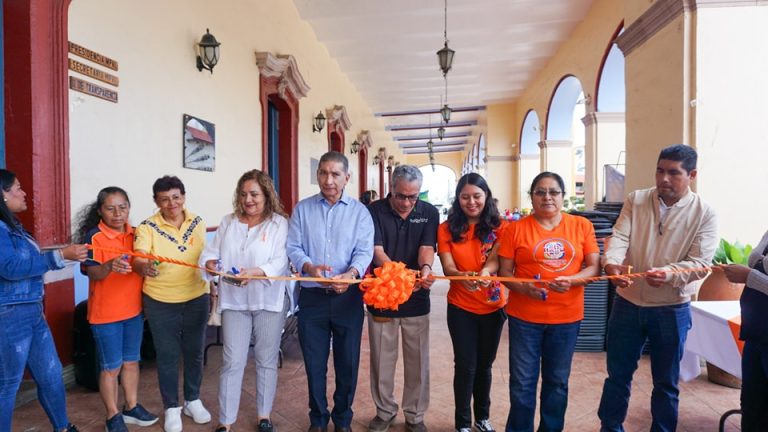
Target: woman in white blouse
(250,241)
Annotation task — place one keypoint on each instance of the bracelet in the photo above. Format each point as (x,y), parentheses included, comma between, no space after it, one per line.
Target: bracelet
(425,265)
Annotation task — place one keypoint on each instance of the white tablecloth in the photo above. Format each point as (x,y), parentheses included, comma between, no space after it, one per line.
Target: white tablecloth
(712,338)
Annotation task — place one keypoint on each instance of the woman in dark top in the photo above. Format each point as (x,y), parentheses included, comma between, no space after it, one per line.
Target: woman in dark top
(754,333)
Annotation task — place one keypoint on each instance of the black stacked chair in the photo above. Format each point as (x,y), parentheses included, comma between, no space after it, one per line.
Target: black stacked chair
(598,296)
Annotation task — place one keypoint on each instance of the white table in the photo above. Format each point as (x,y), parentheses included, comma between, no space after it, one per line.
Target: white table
(711,337)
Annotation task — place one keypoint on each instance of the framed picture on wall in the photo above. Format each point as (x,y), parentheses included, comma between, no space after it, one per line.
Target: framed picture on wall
(199,144)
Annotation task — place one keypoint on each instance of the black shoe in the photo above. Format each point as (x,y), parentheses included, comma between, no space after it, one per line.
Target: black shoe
(70,428)
(266,426)
(484,426)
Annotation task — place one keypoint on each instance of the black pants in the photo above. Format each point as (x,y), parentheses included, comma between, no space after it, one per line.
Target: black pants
(475,341)
(754,387)
(178,330)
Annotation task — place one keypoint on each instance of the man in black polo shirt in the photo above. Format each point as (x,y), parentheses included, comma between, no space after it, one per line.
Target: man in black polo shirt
(405,230)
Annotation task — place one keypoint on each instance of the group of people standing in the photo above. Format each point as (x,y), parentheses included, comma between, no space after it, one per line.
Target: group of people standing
(667,232)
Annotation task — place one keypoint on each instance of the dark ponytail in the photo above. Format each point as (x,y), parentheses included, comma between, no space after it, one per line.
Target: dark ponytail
(88,217)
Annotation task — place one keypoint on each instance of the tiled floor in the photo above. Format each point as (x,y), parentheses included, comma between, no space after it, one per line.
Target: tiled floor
(701,403)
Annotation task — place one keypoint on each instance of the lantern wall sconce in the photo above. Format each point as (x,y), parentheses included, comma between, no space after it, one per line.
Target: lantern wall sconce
(376,160)
(354,147)
(207,52)
(391,160)
(319,122)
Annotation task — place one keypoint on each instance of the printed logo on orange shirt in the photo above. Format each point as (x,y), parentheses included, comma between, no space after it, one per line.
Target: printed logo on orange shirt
(554,254)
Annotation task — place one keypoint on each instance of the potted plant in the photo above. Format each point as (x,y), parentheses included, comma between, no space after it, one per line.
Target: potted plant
(717,287)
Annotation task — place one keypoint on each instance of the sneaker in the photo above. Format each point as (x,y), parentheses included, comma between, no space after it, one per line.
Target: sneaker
(415,427)
(70,428)
(484,426)
(115,424)
(172,420)
(139,416)
(464,430)
(197,411)
(266,426)
(378,424)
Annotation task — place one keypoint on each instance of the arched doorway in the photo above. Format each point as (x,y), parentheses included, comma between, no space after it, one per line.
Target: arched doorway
(530,137)
(606,131)
(563,147)
(281,86)
(338,124)
(438,187)
(365,142)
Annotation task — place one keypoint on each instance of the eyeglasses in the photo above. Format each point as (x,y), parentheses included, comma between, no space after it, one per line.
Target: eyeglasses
(411,198)
(545,192)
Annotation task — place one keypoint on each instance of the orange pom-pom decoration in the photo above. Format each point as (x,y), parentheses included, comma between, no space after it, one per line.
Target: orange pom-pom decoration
(391,287)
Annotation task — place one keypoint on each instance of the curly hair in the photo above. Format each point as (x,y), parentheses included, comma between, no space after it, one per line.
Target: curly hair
(88,217)
(272,203)
(458,224)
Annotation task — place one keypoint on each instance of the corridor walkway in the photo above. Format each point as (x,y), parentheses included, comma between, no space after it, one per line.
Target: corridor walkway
(701,403)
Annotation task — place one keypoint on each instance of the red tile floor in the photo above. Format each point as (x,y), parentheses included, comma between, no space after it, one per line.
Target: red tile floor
(701,402)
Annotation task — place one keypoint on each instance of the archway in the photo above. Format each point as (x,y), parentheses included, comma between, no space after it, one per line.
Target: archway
(565,134)
(530,165)
(606,130)
(438,187)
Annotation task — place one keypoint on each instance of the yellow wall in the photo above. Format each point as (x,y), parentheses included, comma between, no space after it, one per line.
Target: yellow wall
(133,142)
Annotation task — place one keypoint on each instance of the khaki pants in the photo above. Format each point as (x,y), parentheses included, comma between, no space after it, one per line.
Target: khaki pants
(384,344)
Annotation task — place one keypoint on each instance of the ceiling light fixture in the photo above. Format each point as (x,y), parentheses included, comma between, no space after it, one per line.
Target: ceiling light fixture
(445,54)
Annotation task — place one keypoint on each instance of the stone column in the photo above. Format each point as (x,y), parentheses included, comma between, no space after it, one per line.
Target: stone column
(605,140)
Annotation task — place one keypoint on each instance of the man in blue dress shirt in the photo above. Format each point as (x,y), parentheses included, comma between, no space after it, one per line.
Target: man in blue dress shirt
(331,235)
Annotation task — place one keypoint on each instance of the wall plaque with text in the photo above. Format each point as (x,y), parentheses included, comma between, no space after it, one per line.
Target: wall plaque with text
(92,72)
(92,56)
(92,89)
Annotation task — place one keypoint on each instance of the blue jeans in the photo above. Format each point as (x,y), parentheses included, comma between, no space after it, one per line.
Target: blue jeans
(534,348)
(322,315)
(118,342)
(666,328)
(25,340)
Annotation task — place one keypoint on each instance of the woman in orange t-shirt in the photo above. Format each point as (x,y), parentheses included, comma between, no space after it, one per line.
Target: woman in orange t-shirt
(114,305)
(466,244)
(544,318)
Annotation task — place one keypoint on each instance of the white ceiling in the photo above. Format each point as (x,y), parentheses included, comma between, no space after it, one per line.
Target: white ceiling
(387,48)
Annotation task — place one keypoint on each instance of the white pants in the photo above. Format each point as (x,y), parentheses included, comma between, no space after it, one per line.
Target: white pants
(237,328)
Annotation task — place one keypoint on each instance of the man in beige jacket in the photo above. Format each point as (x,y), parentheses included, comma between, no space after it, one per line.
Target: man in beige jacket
(660,231)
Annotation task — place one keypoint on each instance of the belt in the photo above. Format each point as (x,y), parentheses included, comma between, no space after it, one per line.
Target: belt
(326,291)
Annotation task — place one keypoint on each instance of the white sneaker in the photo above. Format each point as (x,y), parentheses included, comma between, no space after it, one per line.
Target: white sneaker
(172,420)
(197,411)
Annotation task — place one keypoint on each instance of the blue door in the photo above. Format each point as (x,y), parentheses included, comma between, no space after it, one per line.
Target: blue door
(273,145)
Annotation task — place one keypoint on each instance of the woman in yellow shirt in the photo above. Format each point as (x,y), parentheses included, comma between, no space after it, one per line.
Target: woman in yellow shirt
(175,299)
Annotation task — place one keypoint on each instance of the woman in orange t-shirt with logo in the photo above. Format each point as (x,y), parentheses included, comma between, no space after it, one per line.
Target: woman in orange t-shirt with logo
(544,318)
(114,305)
(466,244)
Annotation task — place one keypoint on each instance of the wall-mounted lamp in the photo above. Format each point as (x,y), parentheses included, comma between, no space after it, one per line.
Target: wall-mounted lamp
(391,160)
(376,160)
(319,122)
(354,147)
(207,52)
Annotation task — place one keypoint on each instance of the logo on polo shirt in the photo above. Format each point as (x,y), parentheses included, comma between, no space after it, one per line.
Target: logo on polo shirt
(420,220)
(554,254)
